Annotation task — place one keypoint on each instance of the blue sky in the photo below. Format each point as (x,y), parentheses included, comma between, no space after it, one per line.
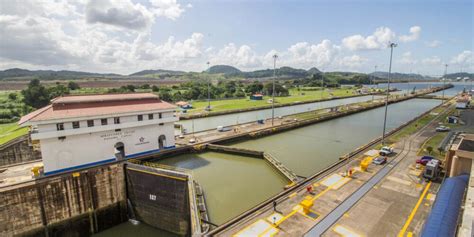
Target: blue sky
(124,36)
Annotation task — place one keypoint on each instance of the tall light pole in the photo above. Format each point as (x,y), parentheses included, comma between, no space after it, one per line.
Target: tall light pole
(322,85)
(373,81)
(273,89)
(444,80)
(392,45)
(208,89)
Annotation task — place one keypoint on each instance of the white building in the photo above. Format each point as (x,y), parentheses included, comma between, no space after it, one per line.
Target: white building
(86,130)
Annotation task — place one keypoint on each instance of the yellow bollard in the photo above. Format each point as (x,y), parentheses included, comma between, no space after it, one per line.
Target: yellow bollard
(36,170)
(307,204)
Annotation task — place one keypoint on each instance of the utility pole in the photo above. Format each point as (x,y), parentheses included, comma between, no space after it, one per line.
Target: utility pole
(373,81)
(391,45)
(322,85)
(273,89)
(208,89)
(444,80)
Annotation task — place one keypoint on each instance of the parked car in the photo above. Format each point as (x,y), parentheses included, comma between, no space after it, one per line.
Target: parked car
(424,160)
(442,129)
(380,160)
(385,151)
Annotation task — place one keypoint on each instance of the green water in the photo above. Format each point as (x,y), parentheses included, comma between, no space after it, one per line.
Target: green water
(232,184)
(309,149)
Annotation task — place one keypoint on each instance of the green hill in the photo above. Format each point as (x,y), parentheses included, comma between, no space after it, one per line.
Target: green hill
(224,69)
(157,72)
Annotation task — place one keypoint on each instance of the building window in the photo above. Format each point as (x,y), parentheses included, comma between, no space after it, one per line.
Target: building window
(161,124)
(60,126)
(160,115)
(140,117)
(90,123)
(103,121)
(150,116)
(117,120)
(75,125)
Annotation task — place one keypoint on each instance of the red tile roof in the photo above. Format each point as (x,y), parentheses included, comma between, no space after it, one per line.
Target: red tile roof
(97,105)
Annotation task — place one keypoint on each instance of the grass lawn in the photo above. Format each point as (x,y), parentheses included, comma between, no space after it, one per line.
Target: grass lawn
(11,131)
(295,96)
(433,142)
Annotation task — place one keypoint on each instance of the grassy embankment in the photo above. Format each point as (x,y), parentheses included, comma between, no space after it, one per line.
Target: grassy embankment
(10,131)
(295,96)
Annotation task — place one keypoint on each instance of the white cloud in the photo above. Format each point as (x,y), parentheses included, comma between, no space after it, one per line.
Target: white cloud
(433,44)
(414,34)
(242,57)
(431,61)
(168,8)
(465,58)
(305,55)
(407,58)
(378,40)
(35,40)
(352,62)
(120,13)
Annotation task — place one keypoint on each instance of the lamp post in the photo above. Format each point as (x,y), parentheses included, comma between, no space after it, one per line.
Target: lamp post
(391,45)
(444,80)
(322,85)
(273,89)
(208,89)
(373,81)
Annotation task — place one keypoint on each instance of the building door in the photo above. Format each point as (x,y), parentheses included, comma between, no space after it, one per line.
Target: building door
(162,141)
(119,151)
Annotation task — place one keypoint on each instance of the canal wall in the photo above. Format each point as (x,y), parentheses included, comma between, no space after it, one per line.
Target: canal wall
(18,150)
(234,111)
(73,204)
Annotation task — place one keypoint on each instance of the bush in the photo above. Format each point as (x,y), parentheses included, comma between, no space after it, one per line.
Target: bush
(12,96)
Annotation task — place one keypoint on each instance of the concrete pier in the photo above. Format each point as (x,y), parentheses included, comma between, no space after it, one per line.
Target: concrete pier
(280,167)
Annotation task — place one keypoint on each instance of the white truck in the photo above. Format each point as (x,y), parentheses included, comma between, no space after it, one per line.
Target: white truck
(386,151)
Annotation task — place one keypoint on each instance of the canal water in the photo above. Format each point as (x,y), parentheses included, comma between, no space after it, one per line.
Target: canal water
(309,149)
(251,116)
(407,87)
(233,184)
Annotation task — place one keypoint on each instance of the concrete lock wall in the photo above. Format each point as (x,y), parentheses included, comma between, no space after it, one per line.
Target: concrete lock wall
(18,151)
(69,205)
(159,198)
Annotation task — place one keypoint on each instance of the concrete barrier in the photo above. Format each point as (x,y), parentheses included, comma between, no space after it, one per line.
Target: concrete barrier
(76,204)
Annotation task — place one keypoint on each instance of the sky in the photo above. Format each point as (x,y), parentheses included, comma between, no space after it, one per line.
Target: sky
(126,36)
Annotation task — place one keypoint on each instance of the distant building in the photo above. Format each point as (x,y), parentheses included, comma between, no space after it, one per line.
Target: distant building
(256,96)
(80,131)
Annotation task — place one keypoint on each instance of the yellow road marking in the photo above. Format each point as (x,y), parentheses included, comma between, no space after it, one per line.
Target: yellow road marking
(413,212)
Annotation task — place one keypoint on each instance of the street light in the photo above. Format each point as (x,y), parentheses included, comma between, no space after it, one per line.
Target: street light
(444,80)
(273,90)
(322,85)
(391,45)
(208,89)
(373,81)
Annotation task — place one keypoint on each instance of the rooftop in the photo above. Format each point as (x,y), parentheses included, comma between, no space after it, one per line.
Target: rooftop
(96,105)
